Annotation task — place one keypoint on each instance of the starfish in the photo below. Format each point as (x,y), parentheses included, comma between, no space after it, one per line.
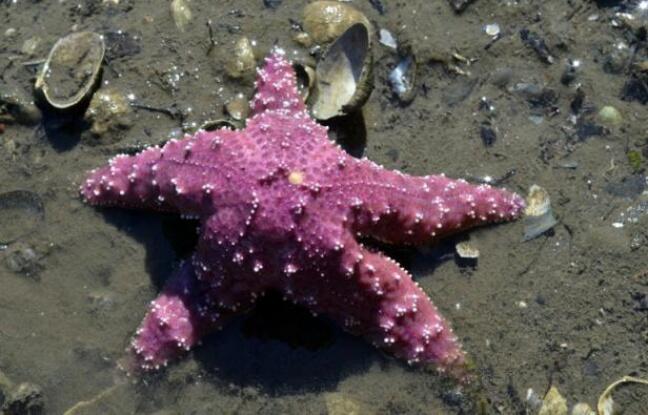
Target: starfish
(281,209)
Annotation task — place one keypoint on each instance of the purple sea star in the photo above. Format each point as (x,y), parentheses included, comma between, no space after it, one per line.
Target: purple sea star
(280,208)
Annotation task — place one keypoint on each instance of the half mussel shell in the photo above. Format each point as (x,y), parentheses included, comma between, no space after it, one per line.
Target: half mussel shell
(71,71)
(344,76)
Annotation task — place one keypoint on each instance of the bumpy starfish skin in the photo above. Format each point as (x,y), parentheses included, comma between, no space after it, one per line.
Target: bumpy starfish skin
(280,209)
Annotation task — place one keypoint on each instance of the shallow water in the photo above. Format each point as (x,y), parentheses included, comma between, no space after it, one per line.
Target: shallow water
(567,308)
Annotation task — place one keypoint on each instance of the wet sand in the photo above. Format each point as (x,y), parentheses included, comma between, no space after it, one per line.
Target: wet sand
(567,308)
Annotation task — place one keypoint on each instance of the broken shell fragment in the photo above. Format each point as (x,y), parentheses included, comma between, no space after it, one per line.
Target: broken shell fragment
(466,250)
(344,75)
(386,38)
(240,60)
(71,70)
(109,110)
(181,14)
(467,254)
(324,21)
(539,217)
(402,79)
(553,403)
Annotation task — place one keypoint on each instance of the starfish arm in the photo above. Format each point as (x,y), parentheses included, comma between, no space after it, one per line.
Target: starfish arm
(186,310)
(398,208)
(371,295)
(182,176)
(276,86)
(127,181)
(172,325)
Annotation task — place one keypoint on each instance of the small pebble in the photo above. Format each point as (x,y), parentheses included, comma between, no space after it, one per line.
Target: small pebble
(240,60)
(21,258)
(582,409)
(609,115)
(272,4)
(492,29)
(571,69)
(30,46)
(238,108)
(501,77)
(537,43)
(488,134)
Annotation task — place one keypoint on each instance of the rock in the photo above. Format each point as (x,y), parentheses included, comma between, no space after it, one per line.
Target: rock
(240,61)
(6,385)
(16,106)
(22,259)
(325,21)
(628,187)
(109,111)
(26,399)
(238,107)
(181,14)
(30,46)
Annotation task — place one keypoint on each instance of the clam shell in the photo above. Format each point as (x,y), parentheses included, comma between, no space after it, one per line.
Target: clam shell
(71,70)
(305,79)
(213,125)
(344,75)
(539,216)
